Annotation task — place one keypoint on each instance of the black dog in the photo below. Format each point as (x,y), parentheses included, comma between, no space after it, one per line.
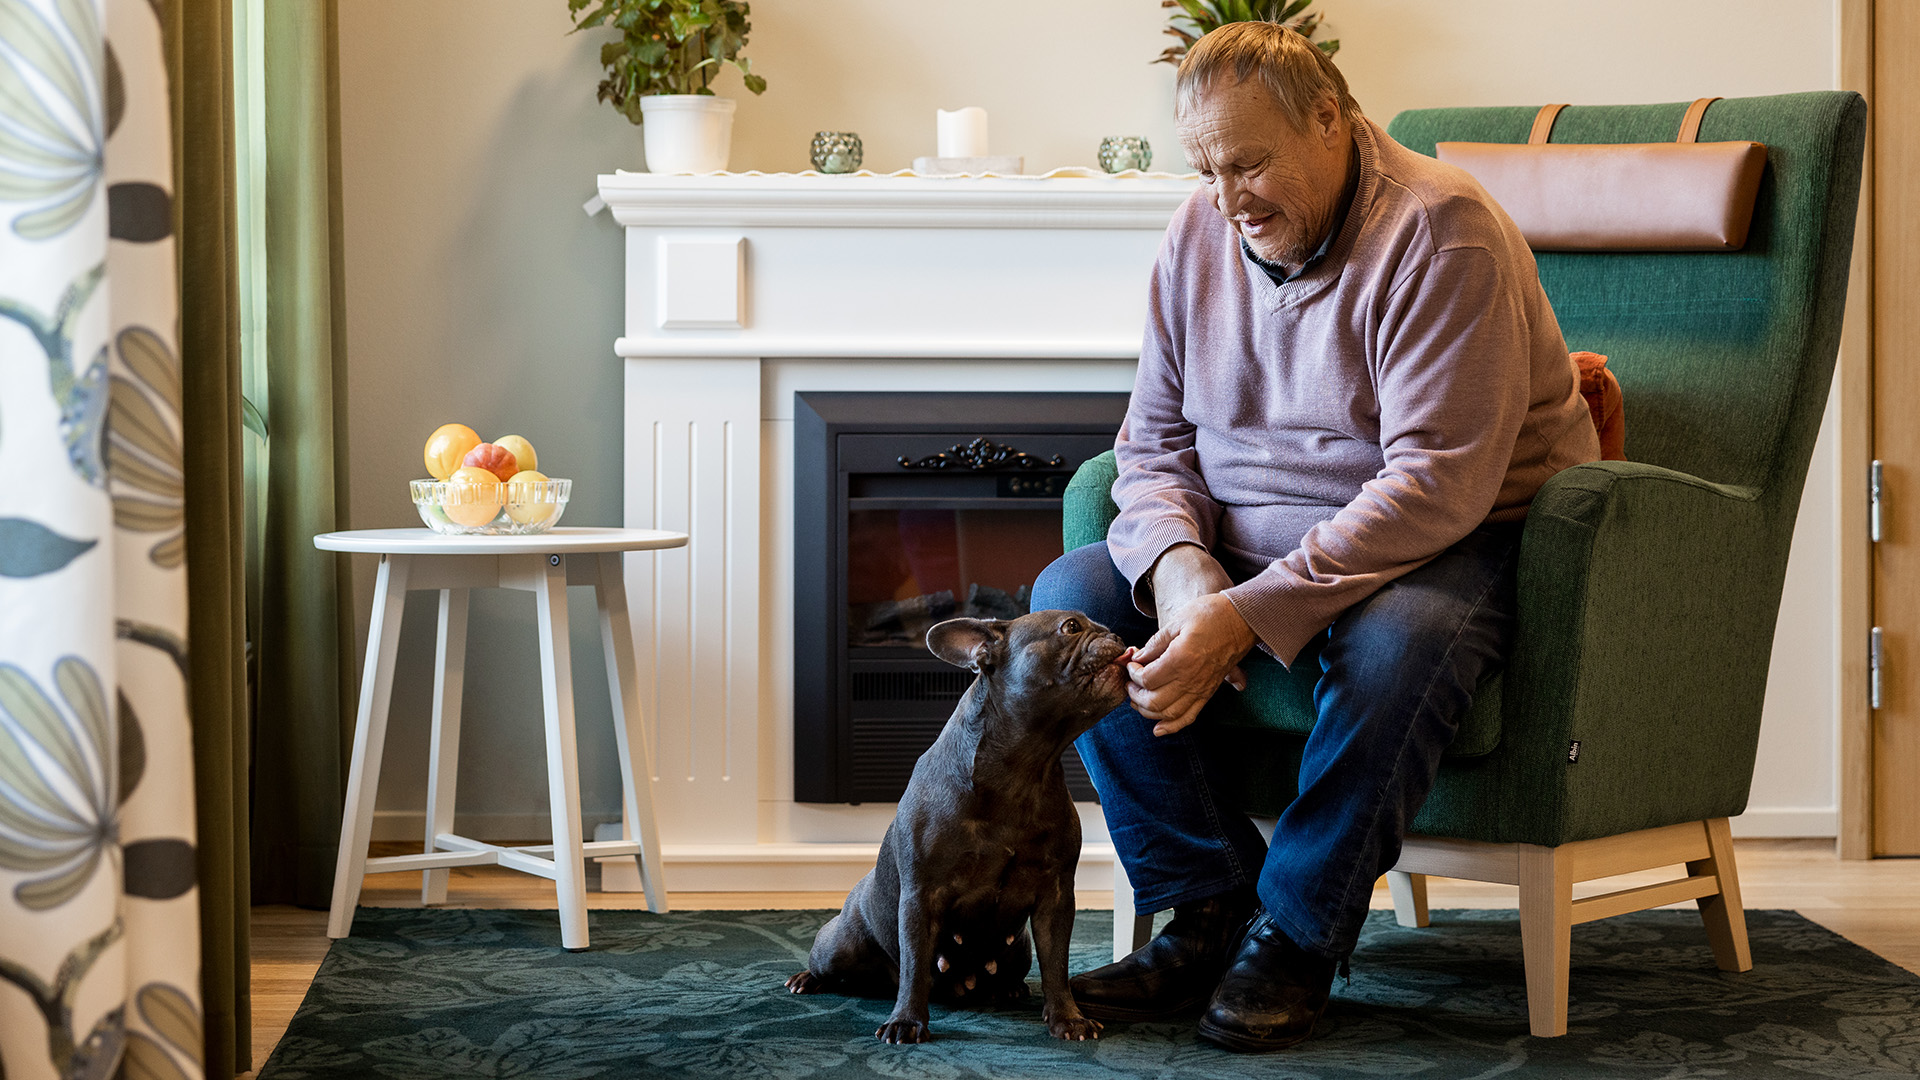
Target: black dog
(985,838)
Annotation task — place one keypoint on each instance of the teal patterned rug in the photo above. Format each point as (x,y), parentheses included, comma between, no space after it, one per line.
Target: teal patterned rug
(421,994)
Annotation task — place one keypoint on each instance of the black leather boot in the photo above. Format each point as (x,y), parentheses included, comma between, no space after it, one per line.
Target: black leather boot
(1176,971)
(1271,996)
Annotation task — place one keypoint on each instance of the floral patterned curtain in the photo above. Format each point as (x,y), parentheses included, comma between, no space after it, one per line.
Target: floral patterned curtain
(99,922)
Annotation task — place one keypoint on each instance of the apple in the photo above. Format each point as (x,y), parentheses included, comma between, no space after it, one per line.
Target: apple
(521,449)
(524,502)
(474,496)
(446,448)
(495,459)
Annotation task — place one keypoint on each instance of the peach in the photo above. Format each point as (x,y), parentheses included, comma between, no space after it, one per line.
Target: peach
(447,447)
(524,505)
(522,451)
(474,496)
(495,459)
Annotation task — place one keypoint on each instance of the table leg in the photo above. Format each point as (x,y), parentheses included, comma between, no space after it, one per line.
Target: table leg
(629,727)
(563,772)
(369,738)
(443,758)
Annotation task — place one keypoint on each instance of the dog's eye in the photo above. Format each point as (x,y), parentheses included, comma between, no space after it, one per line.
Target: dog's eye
(1071,626)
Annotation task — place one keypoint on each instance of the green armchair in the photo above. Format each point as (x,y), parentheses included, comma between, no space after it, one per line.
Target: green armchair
(1621,736)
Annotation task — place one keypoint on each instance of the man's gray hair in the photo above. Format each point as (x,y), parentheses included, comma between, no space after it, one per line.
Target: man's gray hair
(1293,69)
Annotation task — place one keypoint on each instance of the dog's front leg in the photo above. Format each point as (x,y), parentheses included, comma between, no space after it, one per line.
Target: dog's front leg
(1052,930)
(908,1024)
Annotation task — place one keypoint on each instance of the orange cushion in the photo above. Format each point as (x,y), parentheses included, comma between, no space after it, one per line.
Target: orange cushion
(1602,392)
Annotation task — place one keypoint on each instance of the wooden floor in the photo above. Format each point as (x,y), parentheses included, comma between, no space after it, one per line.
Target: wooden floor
(1876,904)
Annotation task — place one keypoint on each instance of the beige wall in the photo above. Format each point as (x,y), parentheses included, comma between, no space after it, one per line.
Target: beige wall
(478,291)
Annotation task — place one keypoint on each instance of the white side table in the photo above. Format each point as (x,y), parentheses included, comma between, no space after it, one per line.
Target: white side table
(544,565)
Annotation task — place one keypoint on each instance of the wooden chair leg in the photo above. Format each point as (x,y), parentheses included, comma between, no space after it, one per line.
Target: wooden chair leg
(1409,897)
(1546,935)
(1725,918)
(443,757)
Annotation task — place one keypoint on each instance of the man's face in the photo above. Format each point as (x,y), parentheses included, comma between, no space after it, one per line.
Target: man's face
(1279,188)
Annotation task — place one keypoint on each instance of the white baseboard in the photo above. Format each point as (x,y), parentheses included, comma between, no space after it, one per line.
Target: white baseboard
(1787,823)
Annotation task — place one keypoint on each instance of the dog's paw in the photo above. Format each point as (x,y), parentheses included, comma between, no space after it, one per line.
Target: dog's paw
(806,983)
(903,1031)
(1074,1028)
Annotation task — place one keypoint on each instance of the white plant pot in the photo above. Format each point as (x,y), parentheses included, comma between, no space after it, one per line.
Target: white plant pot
(687,132)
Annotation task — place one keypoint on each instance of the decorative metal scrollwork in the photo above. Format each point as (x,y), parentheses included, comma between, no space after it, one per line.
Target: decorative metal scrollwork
(982,454)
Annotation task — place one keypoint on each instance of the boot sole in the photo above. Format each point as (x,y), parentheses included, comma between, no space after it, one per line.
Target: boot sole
(1247,1044)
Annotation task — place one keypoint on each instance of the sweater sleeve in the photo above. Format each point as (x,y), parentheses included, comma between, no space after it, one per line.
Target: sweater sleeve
(1163,500)
(1452,375)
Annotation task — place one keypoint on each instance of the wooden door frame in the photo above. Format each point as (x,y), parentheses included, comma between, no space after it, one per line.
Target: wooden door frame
(1853,34)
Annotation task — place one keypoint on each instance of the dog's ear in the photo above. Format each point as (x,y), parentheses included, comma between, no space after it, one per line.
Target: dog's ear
(975,644)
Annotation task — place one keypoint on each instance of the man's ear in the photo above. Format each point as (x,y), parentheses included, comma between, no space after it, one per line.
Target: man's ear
(975,644)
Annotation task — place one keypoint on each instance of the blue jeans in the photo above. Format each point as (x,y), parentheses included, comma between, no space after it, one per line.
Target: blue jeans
(1397,672)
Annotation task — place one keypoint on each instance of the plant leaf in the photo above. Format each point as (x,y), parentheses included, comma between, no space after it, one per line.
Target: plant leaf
(51,892)
(143,516)
(159,869)
(29,549)
(152,364)
(133,749)
(26,859)
(81,689)
(133,419)
(174,1016)
(42,726)
(146,1060)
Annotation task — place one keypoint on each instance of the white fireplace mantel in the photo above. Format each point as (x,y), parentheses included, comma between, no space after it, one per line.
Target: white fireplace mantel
(800,200)
(742,290)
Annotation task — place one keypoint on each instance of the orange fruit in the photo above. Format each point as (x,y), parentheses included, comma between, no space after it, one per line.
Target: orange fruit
(474,497)
(447,447)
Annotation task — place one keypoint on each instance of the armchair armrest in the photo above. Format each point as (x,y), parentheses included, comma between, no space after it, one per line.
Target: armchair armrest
(1647,604)
(1087,508)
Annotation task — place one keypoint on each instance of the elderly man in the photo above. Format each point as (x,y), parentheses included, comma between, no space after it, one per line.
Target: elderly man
(1350,389)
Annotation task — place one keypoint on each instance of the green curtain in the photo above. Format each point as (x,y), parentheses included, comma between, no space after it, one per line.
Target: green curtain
(301,729)
(199,43)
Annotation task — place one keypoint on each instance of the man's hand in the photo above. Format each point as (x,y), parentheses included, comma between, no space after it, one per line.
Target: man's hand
(1199,645)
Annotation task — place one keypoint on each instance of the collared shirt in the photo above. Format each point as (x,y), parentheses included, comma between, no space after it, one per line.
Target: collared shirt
(1279,273)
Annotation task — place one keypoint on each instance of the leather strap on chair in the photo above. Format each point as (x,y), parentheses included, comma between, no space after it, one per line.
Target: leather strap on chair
(1543,123)
(1667,196)
(1690,124)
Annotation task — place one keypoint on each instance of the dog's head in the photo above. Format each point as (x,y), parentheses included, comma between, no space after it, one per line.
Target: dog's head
(1057,664)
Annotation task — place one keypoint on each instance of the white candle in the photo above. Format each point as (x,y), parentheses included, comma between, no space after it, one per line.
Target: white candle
(962,132)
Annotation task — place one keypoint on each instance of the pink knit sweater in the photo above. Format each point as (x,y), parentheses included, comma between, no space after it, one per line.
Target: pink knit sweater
(1326,436)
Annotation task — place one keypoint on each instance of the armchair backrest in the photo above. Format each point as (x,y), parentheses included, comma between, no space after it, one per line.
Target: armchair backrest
(1724,358)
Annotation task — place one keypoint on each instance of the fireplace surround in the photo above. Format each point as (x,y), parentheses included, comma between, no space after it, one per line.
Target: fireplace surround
(742,291)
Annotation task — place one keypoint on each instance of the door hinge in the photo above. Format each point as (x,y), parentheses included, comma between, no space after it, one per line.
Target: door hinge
(1873,502)
(1873,669)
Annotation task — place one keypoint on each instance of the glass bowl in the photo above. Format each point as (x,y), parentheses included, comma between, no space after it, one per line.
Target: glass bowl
(503,509)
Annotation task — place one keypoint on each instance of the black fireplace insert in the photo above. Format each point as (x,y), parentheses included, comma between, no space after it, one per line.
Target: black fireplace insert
(911,508)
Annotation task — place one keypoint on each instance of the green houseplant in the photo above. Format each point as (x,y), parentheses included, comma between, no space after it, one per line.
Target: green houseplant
(661,68)
(1196,18)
